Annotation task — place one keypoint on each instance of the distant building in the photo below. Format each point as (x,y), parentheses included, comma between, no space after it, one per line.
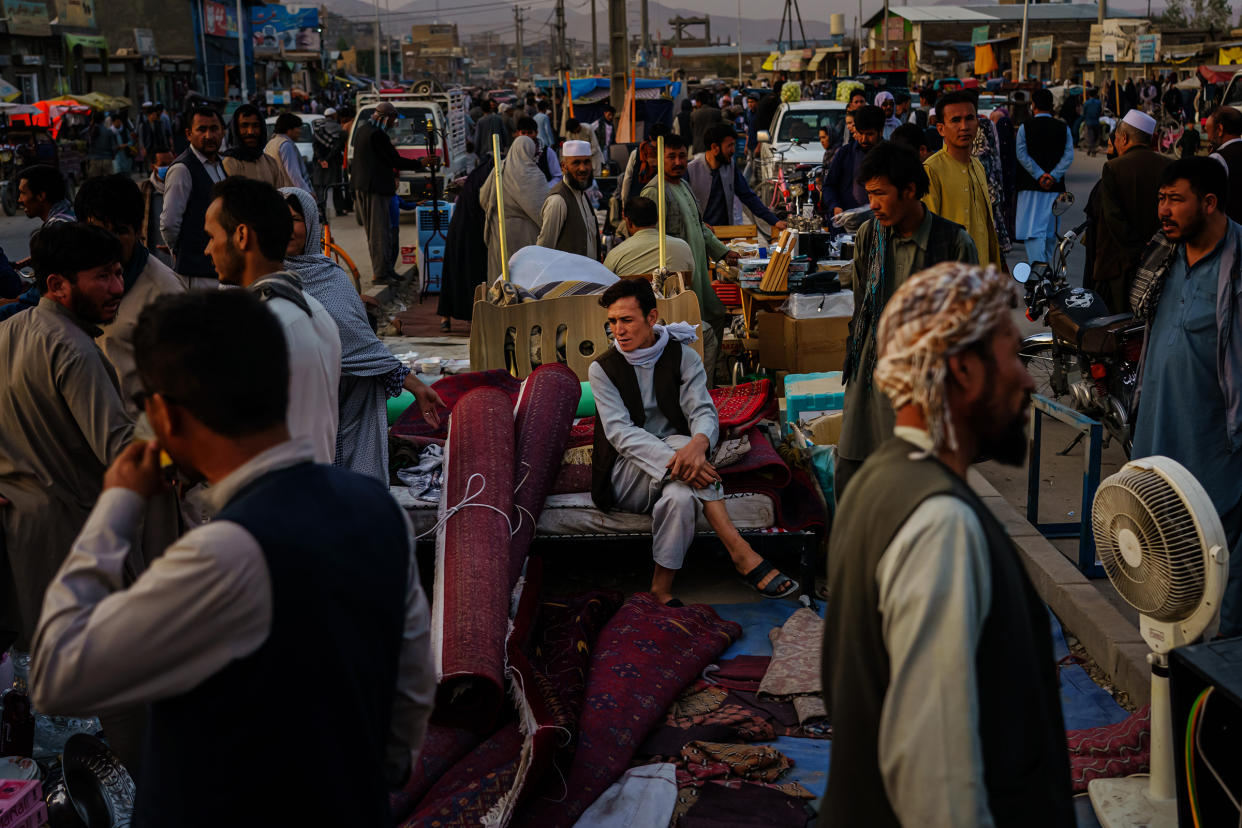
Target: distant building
(434,51)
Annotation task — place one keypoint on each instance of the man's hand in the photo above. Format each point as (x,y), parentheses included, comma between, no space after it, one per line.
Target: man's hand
(137,468)
(426,398)
(1046,181)
(731,258)
(780,225)
(690,461)
(707,477)
(836,211)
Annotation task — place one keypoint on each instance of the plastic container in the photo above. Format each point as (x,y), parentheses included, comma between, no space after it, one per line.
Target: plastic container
(819,305)
(822,391)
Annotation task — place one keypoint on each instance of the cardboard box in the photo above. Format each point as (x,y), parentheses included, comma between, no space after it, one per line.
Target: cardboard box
(19,801)
(802,346)
(826,430)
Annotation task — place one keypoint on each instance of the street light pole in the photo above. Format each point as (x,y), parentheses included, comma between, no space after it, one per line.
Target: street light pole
(1021,73)
(241,53)
(739,46)
(377,47)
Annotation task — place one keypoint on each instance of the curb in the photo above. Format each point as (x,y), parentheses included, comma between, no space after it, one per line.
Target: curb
(1112,641)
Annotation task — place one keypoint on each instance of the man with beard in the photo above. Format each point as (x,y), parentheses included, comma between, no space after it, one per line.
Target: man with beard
(902,239)
(245,155)
(1224,134)
(957,184)
(248,228)
(62,420)
(187,194)
(1190,391)
(302,564)
(935,634)
(569,221)
(681,219)
(843,190)
(716,180)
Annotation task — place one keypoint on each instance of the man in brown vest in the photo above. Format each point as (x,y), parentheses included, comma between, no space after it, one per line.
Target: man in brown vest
(656,429)
(934,625)
(568,218)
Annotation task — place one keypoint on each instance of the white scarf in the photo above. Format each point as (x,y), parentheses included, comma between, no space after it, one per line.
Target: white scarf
(643,357)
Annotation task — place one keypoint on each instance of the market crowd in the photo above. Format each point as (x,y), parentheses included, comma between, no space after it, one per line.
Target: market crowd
(188,475)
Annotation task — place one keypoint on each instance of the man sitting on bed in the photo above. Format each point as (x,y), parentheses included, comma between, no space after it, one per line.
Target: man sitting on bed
(655,428)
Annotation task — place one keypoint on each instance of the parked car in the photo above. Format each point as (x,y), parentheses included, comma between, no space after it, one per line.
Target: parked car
(793,141)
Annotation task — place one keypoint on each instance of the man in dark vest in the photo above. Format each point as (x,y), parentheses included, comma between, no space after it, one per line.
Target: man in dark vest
(902,239)
(938,669)
(187,194)
(569,222)
(374,175)
(655,430)
(1045,152)
(1126,208)
(304,565)
(1224,133)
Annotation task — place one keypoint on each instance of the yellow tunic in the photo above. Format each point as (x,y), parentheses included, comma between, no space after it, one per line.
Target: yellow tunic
(959,192)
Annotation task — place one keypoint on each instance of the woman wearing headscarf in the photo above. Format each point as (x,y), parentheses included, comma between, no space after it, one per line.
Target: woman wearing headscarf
(246,141)
(525,189)
(370,374)
(1007,142)
(987,150)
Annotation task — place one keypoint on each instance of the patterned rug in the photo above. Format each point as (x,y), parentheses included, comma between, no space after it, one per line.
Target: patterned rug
(451,390)
(470,613)
(1113,750)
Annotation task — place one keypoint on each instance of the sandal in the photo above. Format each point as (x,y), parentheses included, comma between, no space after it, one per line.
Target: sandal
(446,326)
(781,586)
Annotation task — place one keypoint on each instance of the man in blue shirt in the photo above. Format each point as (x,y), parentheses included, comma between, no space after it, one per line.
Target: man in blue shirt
(1091,111)
(1190,400)
(842,189)
(1045,151)
(715,180)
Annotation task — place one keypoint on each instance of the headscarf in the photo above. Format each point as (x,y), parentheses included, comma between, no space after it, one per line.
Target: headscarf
(933,315)
(362,354)
(237,148)
(524,183)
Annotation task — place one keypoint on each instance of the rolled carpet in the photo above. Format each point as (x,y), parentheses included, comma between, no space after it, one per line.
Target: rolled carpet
(470,614)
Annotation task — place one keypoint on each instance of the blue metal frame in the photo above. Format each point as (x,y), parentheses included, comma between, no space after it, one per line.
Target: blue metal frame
(1094,432)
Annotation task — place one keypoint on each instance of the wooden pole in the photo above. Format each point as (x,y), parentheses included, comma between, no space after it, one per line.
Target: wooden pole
(660,187)
(500,207)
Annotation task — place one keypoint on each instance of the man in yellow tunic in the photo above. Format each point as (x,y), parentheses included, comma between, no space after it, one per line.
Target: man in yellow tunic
(958,185)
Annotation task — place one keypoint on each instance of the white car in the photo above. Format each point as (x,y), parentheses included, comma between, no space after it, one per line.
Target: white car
(305,148)
(793,141)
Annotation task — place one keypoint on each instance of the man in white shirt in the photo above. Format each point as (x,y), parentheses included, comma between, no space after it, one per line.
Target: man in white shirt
(248,237)
(304,566)
(187,193)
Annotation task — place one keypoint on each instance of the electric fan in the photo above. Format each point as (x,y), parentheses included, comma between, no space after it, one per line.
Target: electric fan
(1161,543)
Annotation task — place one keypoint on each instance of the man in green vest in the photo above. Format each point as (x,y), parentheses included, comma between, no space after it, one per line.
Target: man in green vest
(656,429)
(681,219)
(938,670)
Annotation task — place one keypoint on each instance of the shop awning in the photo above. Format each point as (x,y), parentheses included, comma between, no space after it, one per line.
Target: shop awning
(101,102)
(1217,74)
(817,59)
(769,63)
(791,61)
(87,41)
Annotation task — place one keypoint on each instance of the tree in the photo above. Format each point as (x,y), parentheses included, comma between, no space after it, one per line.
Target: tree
(1176,15)
(1215,15)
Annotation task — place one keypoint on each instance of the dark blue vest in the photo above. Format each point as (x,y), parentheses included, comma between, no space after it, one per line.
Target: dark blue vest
(294,734)
(188,256)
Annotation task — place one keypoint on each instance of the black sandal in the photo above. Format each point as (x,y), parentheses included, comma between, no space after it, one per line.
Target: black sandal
(782,586)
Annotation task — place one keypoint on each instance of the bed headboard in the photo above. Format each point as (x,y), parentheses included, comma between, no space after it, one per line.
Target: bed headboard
(577,321)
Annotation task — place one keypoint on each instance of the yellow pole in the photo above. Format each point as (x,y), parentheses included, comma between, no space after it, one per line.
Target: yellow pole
(660,187)
(500,207)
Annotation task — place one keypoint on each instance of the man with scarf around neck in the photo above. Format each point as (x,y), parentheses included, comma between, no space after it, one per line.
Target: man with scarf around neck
(935,636)
(115,203)
(569,223)
(1189,395)
(903,238)
(655,430)
(248,227)
(245,155)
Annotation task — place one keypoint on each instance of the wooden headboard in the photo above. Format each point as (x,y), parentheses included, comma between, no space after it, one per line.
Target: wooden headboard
(578,321)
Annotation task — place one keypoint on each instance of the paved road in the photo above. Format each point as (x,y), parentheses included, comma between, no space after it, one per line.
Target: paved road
(15,235)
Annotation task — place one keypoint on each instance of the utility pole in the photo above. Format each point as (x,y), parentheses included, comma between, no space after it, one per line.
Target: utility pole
(517,24)
(562,57)
(739,45)
(646,38)
(241,55)
(594,42)
(377,47)
(1020,75)
(618,52)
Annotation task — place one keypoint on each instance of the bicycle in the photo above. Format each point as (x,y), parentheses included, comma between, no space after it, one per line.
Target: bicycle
(337,253)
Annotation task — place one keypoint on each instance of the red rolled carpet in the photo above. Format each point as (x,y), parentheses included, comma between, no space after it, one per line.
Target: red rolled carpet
(470,613)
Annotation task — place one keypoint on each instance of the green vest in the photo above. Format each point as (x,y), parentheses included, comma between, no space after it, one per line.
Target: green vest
(1025,759)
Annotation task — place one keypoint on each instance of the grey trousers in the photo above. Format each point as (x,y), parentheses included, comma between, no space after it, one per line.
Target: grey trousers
(373,208)
(673,505)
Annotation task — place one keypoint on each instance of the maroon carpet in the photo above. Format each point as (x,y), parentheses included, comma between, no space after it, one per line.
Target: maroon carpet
(1109,751)
(452,389)
(470,614)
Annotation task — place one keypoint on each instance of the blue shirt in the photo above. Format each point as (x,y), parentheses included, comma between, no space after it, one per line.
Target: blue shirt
(1091,111)
(1182,411)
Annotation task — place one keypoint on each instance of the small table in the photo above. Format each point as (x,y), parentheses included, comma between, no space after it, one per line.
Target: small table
(753,300)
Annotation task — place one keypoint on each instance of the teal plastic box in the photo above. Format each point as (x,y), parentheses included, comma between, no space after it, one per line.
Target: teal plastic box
(821,391)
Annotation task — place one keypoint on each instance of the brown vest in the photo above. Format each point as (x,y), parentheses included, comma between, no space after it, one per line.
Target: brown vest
(667,378)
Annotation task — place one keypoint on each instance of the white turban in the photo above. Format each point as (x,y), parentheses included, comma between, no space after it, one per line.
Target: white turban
(883,98)
(576,149)
(1141,121)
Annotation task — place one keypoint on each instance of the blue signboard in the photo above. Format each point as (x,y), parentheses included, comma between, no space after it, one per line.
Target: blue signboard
(285,28)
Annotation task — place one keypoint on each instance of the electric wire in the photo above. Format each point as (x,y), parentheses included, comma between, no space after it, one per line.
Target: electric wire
(1206,763)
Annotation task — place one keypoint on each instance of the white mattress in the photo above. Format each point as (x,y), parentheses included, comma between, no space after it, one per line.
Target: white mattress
(575,514)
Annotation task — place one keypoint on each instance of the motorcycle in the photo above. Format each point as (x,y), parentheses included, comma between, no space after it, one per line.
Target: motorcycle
(1087,356)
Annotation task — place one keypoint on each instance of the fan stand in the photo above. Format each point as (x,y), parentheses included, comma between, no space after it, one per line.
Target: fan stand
(1137,801)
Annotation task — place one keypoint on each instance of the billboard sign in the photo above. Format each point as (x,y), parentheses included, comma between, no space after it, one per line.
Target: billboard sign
(219,19)
(285,28)
(28,18)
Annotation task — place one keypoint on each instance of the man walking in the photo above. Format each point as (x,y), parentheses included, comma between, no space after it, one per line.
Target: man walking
(374,175)
(1091,111)
(490,124)
(1045,150)
(1190,389)
(716,181)
(249,227)
(934,625)
(902,239)
(1224,134)
(957,184)
(569,223)
(152,135)
(303,564)
(681,219)
(1129,187)
(546,136)
(187,194)
(843,190)
(328,140)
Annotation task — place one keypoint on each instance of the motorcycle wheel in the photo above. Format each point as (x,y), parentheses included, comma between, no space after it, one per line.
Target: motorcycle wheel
(1039,362)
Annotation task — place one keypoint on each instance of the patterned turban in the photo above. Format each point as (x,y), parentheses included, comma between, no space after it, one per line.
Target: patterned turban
(935,314)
